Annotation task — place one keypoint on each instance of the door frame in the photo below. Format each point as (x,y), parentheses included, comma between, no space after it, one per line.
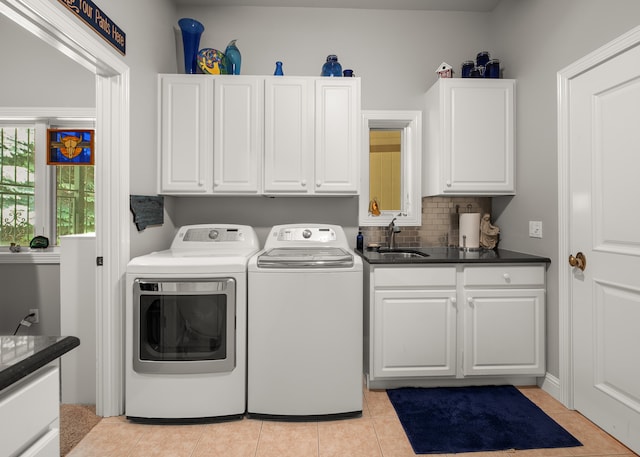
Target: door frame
(53,24)
(621,44)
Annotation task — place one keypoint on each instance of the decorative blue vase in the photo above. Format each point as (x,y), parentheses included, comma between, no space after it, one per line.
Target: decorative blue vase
(332,67)
(191,33)
(233,58)
(278,71)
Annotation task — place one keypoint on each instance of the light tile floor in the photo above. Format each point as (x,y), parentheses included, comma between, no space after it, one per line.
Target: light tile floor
(377,433)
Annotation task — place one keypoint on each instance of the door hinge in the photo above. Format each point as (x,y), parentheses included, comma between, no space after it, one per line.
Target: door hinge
(99,261)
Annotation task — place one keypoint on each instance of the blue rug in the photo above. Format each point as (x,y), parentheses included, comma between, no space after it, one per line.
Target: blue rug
(449,420)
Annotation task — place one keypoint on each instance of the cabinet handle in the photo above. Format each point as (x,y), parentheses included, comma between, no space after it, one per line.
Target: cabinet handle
(470,300)
(448,183)
(318,183)
(454,300)
(304,183)
(506,277)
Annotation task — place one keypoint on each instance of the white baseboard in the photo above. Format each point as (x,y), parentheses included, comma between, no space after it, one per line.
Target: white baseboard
(551,385)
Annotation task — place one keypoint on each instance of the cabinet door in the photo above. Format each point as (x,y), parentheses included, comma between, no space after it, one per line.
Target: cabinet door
(337,135)
(237,154)
(504,331)
(185,134)
(288,136)
(478,145)
(414,333)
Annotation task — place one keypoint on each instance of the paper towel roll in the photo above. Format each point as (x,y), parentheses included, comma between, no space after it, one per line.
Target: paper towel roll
(469,230)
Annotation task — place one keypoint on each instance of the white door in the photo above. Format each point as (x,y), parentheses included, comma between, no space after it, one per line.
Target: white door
(604,224)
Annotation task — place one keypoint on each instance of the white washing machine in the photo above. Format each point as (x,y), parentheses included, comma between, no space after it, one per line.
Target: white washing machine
(305,325)
(186,312)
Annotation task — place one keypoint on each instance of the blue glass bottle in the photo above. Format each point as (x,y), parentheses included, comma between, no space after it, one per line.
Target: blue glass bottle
(332,67)
(233,58)
(278,71)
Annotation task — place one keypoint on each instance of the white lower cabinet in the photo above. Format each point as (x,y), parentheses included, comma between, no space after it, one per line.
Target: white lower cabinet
(29,415)
(504,320)
(415,333)
(453,322)
(504,332)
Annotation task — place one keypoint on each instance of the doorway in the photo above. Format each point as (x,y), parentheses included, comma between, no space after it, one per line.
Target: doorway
(69,36)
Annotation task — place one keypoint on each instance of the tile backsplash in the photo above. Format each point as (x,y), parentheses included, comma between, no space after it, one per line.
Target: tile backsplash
(439,222)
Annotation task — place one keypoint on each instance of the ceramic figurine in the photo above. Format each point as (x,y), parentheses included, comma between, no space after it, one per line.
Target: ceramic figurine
(488,232)
(374,209)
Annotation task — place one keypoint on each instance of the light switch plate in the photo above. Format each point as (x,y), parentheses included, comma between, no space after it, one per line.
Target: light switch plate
(535,229)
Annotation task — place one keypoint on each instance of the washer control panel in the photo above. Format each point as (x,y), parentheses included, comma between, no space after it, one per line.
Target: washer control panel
(311,234)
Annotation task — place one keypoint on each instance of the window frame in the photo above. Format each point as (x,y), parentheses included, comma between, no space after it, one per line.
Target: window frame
(41,119)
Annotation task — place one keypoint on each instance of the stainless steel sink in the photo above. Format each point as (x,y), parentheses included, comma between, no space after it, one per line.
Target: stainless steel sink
(402,254)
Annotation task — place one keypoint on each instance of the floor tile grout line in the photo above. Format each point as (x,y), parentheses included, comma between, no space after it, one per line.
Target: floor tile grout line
(255,453)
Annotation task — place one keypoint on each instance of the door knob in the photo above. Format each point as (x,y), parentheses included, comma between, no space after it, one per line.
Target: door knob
(579,261)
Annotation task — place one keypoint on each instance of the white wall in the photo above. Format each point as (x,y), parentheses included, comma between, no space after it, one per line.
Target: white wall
(35,74)
(395,53)
(27,286)
(536,39)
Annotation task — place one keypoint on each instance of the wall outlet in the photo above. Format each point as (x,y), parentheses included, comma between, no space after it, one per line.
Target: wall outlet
(535,229)
(34,319)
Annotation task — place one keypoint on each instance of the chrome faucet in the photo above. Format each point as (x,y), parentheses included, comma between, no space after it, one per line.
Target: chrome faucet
(392,230)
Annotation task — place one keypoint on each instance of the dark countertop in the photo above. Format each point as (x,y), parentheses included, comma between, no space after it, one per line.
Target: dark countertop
(22,355)
(442,255)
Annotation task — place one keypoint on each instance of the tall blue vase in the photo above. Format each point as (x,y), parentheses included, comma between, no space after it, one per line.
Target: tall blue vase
(233,58)
(191,33)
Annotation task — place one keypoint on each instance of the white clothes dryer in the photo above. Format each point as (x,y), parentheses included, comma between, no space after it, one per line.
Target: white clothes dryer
(305,325)
(186,314)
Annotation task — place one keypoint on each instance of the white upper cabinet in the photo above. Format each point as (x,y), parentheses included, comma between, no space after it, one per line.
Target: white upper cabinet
(469,137)
(243,135)
(337,135)
(185,118)
(237,138)
(288,135)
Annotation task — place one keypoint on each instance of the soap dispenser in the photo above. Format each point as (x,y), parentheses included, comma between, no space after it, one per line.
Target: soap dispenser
(359,241)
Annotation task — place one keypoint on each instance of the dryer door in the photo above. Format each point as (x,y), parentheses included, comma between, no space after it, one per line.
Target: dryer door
(184,326)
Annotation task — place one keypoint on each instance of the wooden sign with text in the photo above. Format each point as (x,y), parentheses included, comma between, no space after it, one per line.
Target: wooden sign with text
(95,18)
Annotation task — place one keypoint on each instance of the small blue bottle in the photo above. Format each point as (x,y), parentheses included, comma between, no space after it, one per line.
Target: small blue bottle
(278,71)
(332,67)
(359,241)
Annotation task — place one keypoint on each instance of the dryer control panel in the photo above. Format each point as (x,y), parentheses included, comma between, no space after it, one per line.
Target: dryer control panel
(212,234)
